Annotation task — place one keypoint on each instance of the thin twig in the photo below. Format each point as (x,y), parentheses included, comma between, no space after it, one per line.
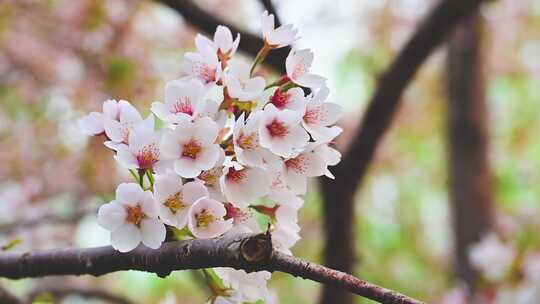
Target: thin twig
(251,252)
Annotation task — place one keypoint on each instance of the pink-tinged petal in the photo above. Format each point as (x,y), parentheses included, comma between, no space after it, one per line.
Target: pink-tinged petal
(112,145)
(331,112)
(127,112)
(129,194)
(111,216)
(126,238)
(111,109)
(208,157)
(186,167)
(168,217)
(206,131)
(311,81)
(322,133)
(297,183)
(125,157)
(92,124)
(166,185)
(223,38)
(169,146)
(113,129)
(153,233)
(161,111)
(267,23)
(162,165)
(244,186)
(148,204)
(193,191)
(203,43)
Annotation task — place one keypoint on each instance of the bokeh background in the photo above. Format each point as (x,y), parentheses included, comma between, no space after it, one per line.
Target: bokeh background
(60,59)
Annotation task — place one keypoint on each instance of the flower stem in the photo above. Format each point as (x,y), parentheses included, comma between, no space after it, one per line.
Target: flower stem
(260,57)
(135,176)
(150,176)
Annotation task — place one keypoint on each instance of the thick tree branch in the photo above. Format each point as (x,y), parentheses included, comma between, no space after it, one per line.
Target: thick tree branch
(240,251)
(339,251)
(249,43)
(469,172)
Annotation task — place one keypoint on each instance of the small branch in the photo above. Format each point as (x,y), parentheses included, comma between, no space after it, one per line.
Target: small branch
(7,297)
(240,251)
(270,7)
(61,292)
(249,43)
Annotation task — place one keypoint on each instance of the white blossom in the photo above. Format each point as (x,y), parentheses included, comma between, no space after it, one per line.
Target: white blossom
(250,287)
(281,132)
(132,218)
(223,43)
(320,115)
(206,219)
(143,151)
(118,130)
(185,99)
(244,185)
(292,99)
(298,64)
(174,198)
(191,146)
(239,83)
(277,37)
(93,123)
(247,147)
(203,64)
(492,257)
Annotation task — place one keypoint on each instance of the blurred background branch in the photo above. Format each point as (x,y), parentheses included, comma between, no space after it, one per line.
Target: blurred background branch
(338,195)
(468,138)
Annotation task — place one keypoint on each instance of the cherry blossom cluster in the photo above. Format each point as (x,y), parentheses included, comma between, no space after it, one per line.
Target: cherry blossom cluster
(231,146)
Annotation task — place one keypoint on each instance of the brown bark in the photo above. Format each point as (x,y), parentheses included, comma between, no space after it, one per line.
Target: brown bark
(241,251)
(339,196)
(469,173)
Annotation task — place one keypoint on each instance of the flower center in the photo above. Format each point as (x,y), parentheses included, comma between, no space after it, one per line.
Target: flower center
(311,116)
(148,156)
(210,177)
(175,202)
(236,175)
(205,72)
(247,142)
(279,99)
(297,164)
(277,128)
(191,149)
(204,218)
(183,106)
(134,215)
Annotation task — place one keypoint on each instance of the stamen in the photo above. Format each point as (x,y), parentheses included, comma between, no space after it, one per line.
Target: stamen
(134,215)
